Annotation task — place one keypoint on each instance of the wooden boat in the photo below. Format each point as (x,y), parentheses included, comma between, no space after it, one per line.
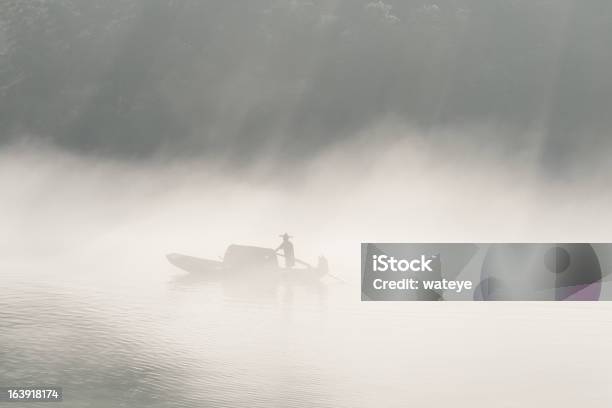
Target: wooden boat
(244,262)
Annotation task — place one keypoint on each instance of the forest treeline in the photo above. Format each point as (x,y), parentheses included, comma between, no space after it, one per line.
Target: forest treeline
(131,77)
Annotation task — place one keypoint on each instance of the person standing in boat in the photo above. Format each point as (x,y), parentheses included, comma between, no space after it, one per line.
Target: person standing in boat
(288,252)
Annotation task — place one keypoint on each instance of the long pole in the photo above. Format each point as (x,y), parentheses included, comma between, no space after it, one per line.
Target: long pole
(306,264)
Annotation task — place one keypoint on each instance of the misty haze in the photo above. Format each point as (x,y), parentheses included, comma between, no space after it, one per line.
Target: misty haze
(134,129)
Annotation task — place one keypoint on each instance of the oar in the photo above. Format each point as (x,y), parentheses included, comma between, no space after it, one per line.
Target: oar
(306,264)
(337,278)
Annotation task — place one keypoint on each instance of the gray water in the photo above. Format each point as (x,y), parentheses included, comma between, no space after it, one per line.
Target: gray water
(143,338)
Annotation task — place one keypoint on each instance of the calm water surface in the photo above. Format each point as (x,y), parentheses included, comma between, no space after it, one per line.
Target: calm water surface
(150,338)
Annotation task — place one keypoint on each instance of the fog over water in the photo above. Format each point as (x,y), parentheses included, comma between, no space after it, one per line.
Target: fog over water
(371,189)
(89,301)
(130,129)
